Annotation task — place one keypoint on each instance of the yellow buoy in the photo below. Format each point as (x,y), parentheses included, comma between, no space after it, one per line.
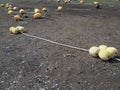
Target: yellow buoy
(13,30)
(95,2)
(7,5)
(10,12)
(44,9)
(58,1)
(102,47)
(17,17)
(2,5)
(60,8)
(37,15)
(113,51)
(21,11)
(10,6)
(104,55)
(93,51)
(10,29)
(20,29)
(81,1)
(36,10)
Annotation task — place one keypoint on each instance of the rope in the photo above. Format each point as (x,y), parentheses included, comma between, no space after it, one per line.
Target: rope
(53,42)
(117,59)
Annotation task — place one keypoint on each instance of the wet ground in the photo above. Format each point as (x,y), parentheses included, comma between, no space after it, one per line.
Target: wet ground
(31,64)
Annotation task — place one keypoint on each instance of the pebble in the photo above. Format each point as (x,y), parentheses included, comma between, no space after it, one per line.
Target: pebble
(72,87)
(8,48)
(42,89)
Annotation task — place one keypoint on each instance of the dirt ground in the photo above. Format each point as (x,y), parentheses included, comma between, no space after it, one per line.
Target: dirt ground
(32,64)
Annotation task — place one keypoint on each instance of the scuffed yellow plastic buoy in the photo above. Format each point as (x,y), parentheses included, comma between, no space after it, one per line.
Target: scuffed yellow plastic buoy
(10,6)
(104,55)
(10,12)
(60,8)
(113,51)
(13,30)
(36,10)
(102,47)
(44,9)
(37,15)
(7,5)
(95,2)
(81,1)
(17,17)
(10,29)
(93,51)
(20,29)
(58,1)
(21,11)
(2,5)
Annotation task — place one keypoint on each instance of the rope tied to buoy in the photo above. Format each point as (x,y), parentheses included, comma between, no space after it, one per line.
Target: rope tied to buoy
(104,52)
(53,42)
(65,45)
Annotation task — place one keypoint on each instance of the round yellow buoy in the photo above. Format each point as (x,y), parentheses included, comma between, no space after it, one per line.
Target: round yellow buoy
(37,15)
(95,2)
(102,47)
(10,8)
(17,17)
(44,9)
(93,51)
(65,1)
(13,30)
(60,8)
(20,29)
(10,29)
(7,5)
(81,1)
(113,51)
(58,1)
(2,5)
(104,55)
(21,11)
(36,10)
(10,12)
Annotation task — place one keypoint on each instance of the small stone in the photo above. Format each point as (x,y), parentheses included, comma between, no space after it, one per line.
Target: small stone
(114,74)
(86,81)
(14,82)
(1,81)
(47,77)
(88,84)
(111,89)
(92,66)
(42,89)
(23,62)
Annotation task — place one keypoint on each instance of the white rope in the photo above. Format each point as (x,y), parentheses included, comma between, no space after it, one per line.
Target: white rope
(117,59)
(53,42)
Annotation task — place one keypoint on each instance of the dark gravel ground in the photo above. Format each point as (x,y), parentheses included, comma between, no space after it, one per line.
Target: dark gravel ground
(31,64)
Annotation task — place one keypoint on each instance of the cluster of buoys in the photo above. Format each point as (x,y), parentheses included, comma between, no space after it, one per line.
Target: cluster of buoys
(22,13)
(103,52)
(17,30)
(96,4)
